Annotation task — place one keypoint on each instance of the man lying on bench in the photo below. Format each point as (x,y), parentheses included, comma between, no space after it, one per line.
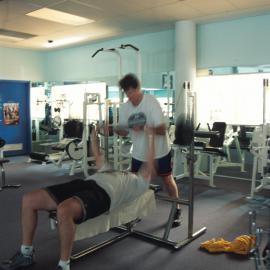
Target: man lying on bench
(76,201)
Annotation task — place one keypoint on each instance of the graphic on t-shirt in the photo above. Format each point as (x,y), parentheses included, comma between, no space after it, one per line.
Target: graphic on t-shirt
(137,119)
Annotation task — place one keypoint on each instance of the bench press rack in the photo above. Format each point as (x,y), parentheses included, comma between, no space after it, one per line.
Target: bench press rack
(128,229)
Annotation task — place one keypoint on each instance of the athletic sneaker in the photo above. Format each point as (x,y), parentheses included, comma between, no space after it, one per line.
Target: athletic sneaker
(18,261)
(177,220)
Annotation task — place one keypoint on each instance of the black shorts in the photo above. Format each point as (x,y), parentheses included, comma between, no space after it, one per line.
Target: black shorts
(94,199)
(163,165)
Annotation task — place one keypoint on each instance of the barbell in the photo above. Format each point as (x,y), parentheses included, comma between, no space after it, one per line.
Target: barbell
(74,149)
(56,122)
(184,134)
(135,120)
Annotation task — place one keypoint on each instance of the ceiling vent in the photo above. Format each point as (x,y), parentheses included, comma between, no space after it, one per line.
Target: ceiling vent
(13,36)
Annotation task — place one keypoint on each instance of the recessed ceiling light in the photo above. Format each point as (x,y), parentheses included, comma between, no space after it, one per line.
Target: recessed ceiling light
(64,41)
(59,16)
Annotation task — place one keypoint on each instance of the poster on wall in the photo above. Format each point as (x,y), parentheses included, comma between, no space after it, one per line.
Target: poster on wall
(11,113)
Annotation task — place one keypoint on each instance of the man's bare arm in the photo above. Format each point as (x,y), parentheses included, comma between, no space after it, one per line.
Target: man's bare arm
(148,168)
(160,130)
(99,158)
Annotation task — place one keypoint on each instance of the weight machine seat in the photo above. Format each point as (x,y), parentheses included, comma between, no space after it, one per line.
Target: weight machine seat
(59,147)
(141,206)
(199,144)
(213,150)
(39,156)
(217,141)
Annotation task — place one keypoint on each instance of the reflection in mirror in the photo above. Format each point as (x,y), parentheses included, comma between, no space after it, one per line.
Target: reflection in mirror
(53,104)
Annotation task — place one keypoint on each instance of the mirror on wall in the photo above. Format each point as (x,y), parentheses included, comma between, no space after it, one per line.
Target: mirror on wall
(53,104)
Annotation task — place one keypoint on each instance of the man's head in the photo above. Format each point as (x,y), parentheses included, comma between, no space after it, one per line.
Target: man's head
(131,86)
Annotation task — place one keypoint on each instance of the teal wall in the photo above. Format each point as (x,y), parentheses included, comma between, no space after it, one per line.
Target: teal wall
(242,42)
(157,53)
(19,64)
(234,43)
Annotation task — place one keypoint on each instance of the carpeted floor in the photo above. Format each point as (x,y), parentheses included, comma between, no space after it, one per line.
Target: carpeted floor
(223,210)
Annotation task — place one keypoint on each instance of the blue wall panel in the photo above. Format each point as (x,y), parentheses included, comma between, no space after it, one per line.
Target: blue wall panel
(15,92)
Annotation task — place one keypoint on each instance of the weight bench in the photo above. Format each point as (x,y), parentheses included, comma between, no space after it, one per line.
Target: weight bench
(128,214)
(3,184)
(123,220)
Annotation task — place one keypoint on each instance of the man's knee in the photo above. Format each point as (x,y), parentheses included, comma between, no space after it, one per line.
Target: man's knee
(69,208)
(168,180)
(29,200)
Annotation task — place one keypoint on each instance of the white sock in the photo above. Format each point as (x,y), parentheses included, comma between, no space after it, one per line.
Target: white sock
(27,250)
(64,264)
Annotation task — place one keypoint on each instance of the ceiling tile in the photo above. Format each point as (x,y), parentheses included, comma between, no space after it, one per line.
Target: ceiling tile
(122,7)
(42,3)
(11,9)
(250,3)
(76,8)
(169,13)
(211,6)
(34,26)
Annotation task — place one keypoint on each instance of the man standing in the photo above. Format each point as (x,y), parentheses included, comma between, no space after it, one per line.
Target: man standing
(143,109)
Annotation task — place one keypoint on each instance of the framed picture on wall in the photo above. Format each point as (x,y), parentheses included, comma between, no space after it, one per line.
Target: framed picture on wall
(11,113)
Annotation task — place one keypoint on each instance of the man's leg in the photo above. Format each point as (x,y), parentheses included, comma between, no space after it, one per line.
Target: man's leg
(67,212)
(170,186)
(165,171)
(31,203)
(173,192)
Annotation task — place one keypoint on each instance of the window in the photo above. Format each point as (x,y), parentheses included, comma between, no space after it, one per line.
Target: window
(234,99)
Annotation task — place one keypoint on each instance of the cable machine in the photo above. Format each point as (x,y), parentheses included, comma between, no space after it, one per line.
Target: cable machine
(118,141)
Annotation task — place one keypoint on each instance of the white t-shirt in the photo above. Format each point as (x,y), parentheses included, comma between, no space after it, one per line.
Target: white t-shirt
(154,117)
(122,187)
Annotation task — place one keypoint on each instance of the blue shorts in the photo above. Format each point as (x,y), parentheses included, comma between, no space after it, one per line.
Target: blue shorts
(163,165)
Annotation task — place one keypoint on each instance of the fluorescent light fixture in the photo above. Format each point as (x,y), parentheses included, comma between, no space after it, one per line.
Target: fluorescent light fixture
(64,41)
(10,39)
(59,16)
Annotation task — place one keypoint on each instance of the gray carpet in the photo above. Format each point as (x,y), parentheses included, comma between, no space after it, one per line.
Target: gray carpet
(223,210)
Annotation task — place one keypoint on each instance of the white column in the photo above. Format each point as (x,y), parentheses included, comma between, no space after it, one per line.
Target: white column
(185,61)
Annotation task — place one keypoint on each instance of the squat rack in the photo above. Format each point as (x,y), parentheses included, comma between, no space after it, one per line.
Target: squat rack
(128,229)
(191,235)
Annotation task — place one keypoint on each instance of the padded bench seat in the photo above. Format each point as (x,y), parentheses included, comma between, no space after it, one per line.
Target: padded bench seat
(140,207)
